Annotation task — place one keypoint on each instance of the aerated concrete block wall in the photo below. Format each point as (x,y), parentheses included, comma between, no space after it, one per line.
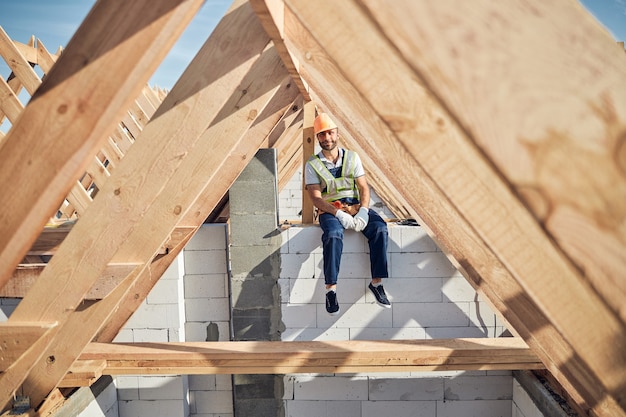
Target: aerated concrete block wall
(430,299)
(160,318)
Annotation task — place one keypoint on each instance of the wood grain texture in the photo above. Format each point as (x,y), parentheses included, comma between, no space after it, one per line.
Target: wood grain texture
(311,356)
(77,105)
(423,128)
(152,189)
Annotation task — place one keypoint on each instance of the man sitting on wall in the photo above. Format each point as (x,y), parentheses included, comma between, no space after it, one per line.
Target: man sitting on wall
(335,181)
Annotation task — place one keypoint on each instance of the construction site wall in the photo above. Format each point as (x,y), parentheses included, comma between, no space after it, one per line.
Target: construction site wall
(192,302)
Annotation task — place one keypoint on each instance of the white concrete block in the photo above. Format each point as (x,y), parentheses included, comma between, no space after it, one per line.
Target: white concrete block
(208,237)
(354,242)
(223,382)
(205,262)
(288,381)
(315,334)
(457,289)
(213,402)
(430,315)
(306,409)
(124,336)
(432,264)
(93,409)
(202,382)
(197,331)
(299,316)
(406,389)
(200,309)
(457,332)
(331,388)
(305,239)
(175,270)
(324,409)
(206,286)
(482,315)
(162,408)
(399,409)
(150,335)
(488,408)
(127,387)
(158,316)
(355,315)
(355,265)
(394,240)
(104,405)
(164,292)
(380,333)
(415,239)
(467,388)
(523,403)
(297,265)
(411,290)
(306,291)
(161,388)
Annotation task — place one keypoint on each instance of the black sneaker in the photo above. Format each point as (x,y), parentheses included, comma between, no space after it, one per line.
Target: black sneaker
(332,306)
(381,297)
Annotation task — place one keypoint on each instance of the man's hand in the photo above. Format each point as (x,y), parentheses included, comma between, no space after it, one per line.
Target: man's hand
(361,219)
(345,219)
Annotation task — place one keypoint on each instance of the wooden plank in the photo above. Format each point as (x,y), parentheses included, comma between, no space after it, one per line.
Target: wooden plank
(17,337)
(10,105)
(93,82)
(152,209)
(45,59)
(270,13)
(390,74)
(92,320)
(25,276)
(582,211)
(83,373)
(18,63)
(308,149)
(312,356)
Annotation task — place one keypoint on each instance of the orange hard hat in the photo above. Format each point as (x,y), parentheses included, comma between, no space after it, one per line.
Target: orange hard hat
(322,123)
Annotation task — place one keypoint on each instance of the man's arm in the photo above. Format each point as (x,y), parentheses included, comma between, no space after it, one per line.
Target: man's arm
(315,193)
(364,191)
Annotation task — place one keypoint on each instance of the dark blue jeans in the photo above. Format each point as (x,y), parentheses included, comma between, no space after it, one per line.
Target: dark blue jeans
(332,245)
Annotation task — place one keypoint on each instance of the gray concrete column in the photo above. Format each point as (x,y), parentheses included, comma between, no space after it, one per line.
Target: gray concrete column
(255,266)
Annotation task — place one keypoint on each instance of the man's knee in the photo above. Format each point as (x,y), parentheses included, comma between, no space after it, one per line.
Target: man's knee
(333,234)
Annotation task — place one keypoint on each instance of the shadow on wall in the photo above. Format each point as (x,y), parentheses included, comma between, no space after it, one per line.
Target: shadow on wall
(430,299)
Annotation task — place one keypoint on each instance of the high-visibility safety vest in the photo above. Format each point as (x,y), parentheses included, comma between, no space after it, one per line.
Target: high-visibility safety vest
(343,186)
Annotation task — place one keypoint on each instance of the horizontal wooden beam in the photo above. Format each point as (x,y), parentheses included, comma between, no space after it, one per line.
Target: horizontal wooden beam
(25,276)
(311,356)
(83,374)
(17,337)
(51,238)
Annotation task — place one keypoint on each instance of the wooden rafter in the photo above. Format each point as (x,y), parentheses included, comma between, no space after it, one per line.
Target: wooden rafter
(446,132)
(135,233)
(418,126)
(90,84)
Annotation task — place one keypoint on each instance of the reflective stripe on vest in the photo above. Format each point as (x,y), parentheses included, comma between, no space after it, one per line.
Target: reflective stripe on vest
(337,188)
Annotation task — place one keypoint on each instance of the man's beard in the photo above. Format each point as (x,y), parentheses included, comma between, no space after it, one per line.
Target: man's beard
(328,147)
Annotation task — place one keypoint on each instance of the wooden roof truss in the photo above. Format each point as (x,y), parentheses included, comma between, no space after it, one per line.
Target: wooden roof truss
(500,127)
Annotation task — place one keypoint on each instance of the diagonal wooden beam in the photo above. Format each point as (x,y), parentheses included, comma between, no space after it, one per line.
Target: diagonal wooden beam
(19,64)
(270,14)
(401,139)
(105,65)
(130,220)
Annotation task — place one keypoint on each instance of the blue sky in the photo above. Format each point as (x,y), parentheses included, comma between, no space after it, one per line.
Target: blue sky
(55,21)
